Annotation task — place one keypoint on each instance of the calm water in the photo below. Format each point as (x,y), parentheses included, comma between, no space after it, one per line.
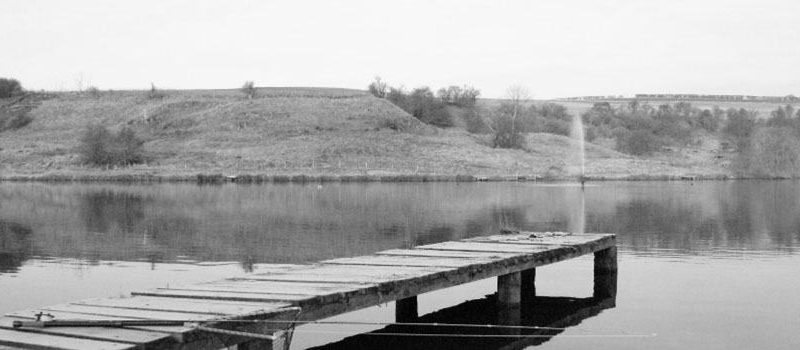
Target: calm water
(711,265)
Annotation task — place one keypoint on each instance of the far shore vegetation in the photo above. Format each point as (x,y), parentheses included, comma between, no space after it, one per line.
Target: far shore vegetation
(764,147)
(339,132)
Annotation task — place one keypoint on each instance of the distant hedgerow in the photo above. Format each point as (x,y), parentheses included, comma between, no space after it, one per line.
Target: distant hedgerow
(101,147)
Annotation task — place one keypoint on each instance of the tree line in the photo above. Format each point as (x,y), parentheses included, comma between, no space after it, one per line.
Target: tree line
(424,104)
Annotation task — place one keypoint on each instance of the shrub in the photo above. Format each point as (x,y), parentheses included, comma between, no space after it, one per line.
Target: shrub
(421,104)
(155,94)
(249,89)
(557,127)
(740,126)
(378,88)
(475,123)
(709,121)
(507,133)
(639,142)
(100,147)
(772,152)
(93,91)
(10,87)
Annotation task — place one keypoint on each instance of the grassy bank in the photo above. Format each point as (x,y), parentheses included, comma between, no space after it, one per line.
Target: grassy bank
(300,134)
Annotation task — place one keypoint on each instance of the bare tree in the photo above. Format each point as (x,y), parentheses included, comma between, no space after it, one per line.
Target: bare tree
(378,88)
(249,89)
(517,95)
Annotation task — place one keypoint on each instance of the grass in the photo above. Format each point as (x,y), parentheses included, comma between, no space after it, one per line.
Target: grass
(282,133)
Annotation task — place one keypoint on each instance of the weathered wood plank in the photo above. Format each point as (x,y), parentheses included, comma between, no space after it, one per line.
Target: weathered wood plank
(199,294)
(343,279)
(30,340)
(117,335)
(346,274)
(379,260)
(60,315)
(445,253)
(216,308)
(369,270)
(570,239)
(127,313)
(273,287)
(478,246)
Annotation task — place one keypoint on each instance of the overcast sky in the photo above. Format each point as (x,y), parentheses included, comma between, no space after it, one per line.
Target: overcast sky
(554,48)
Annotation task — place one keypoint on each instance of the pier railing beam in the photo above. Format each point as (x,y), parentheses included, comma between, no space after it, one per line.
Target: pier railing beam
(405,310)
(605,273)
(509,288)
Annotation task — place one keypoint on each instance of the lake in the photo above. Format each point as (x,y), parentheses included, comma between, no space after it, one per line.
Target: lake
(711,265)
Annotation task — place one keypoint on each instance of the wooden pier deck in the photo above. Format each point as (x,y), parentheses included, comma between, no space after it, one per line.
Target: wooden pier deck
(310,292)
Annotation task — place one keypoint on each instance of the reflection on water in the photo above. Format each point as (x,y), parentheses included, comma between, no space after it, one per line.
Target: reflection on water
(15,245)
(300,223)
(483,324)
(541,319)
(694,257)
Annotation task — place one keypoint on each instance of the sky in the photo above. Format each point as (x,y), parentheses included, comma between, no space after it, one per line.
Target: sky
(552,48)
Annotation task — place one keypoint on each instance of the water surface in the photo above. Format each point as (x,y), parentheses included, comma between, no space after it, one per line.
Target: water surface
(709,265)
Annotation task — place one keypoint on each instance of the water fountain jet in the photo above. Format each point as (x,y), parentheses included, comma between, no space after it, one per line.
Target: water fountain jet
(578,219)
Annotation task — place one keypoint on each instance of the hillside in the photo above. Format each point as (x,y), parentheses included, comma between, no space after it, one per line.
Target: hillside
(311,131)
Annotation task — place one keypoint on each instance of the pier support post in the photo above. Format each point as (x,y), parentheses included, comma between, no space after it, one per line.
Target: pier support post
(605,273)
(255,345)
(509,289)
(528,285)
(405,310)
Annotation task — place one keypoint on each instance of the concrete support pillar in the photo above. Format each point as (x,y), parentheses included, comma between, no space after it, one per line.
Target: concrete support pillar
(279,343)
(605,273)
(528,285)
(405,310)
(256,345)
(509,289)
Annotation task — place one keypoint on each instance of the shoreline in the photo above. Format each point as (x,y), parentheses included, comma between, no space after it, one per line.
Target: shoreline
(384,178)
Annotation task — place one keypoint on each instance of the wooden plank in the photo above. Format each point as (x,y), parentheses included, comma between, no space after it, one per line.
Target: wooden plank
(350,274)
(46,341)
(127,313)
(273,287)
(477,246)
(356,270)
(196,294)
(285,287)
(362,280)
(571,239)
(379,260)
(445,253)
(118,335)
(60,315)
(218,308)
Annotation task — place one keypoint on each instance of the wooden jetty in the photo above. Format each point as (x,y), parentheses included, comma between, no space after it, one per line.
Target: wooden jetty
(229,312)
